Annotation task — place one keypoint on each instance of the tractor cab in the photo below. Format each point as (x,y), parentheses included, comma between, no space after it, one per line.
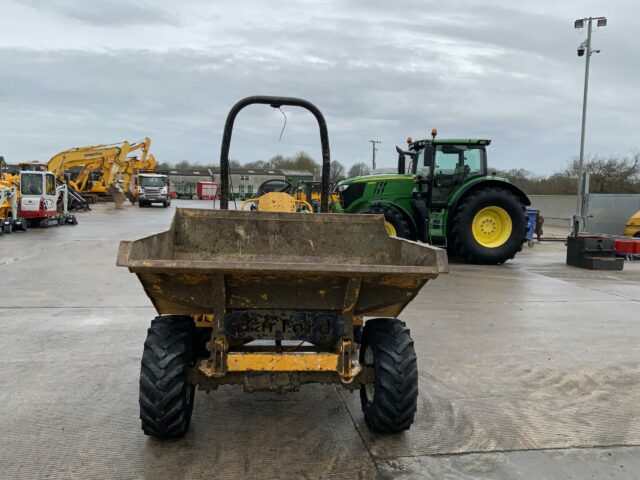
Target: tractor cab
(441,167)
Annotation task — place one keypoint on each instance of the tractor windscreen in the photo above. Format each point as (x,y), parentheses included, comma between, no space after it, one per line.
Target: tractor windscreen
(153,181)
(31,184)
(459,160)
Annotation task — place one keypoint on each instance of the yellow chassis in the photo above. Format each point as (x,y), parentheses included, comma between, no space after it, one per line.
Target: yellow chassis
(224,360)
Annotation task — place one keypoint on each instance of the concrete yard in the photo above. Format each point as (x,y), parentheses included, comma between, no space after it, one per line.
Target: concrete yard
(527,370)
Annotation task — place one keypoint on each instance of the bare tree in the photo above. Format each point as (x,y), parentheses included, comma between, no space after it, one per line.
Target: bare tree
(336,172)
(186,166)
(614,174)
(359,169)
(258,165)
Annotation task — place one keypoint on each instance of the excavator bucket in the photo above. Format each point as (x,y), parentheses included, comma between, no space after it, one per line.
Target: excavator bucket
(131,197)
(118,197)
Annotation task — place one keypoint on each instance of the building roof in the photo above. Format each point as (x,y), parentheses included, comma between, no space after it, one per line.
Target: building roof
(297,173)
(241,171)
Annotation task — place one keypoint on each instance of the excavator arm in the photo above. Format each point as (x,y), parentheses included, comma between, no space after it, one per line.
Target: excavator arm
(81,156)
(146,162)
(110,158)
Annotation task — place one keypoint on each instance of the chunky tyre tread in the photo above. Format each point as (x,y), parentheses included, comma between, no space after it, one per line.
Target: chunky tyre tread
(395,218)
(396,376)
(462,241)
(166,396)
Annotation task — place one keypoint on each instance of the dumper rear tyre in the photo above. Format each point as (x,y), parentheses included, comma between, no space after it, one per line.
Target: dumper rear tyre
(488,227)
(389,404)
(166,395)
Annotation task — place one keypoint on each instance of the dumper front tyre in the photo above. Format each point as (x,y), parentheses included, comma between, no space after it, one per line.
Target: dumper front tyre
(166,395)
(389,403)
(488,227)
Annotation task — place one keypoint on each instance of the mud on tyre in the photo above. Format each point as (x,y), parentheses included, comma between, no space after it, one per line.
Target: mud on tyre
(166,396)
(389,404)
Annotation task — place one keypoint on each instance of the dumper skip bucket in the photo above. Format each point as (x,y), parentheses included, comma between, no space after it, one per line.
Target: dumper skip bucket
(225,260)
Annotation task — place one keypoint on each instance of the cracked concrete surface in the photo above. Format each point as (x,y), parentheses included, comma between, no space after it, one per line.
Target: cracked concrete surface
(527,370)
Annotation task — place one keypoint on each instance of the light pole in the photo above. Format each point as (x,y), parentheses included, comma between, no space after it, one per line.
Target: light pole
(373,153)
(579,220)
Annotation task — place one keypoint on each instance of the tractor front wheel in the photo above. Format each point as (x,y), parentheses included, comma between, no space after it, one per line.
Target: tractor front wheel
(395,223)
(166,395)
(389,404)
(488,227)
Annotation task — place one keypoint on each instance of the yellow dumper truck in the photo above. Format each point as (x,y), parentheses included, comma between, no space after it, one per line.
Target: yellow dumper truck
(272,301)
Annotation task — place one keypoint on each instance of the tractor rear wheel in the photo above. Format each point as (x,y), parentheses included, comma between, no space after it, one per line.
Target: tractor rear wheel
(488,227)
(389,404)
(395,223)
(166,395)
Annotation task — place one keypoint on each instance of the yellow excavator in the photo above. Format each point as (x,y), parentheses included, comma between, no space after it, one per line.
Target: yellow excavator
(135,166)
(106,169)
(111,159)
(115,173)
(82,181)
(9,198)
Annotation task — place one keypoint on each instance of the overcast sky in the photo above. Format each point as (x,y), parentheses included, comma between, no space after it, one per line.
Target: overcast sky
(85,72)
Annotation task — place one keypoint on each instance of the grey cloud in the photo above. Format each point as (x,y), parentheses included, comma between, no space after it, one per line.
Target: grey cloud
(482,72)
(107,13)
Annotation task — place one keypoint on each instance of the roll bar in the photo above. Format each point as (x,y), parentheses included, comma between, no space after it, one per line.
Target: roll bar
(275,102)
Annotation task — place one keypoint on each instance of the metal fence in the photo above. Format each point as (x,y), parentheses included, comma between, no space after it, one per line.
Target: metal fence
(607,212)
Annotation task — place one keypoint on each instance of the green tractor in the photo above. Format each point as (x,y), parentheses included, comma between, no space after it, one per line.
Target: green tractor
(446,197)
